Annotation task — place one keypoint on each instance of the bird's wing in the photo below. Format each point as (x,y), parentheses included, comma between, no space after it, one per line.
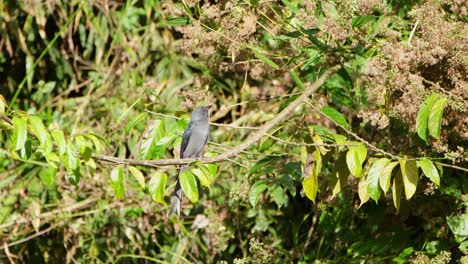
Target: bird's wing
(185,139)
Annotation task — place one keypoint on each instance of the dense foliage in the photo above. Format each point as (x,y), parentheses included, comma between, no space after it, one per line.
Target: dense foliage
(371,168)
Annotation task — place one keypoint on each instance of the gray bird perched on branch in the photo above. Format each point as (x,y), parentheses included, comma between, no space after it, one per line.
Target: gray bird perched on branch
(194,140)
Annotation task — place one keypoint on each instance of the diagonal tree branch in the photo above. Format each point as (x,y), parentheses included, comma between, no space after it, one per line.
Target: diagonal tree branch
(255,137)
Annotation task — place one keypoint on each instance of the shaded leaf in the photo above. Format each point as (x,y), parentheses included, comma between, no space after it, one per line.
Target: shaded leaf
(157,185)
(256,190)
(409,172)
(41,133)
(278,195)
(397,189)
(47,176)
(339,175)
(189,185)
(135,121)
(435,118)
(423,115)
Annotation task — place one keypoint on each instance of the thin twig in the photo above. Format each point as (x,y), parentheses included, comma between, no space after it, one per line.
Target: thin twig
(40,233)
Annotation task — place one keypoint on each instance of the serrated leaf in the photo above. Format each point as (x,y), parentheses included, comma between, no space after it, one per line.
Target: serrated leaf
(373,177)
(355,157)
(386,176)
(255,191)
(138,175)
(189,185)
(423,115)
(20,132)
(335,115)
(409,172)
(117,182)
(157,185)
(397,189)
(362,191)
(430,170)
(59,139)
(435,118)
(266,60)
(135,121)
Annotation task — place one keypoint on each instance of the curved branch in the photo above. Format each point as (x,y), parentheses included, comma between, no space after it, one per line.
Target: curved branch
(261,132)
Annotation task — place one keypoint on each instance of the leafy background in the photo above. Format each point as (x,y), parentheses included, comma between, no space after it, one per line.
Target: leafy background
(80,79)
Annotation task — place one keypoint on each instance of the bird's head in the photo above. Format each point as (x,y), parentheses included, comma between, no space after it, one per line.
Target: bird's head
(201,113)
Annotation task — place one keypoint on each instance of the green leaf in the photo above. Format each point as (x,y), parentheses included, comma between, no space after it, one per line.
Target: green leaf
(189,185)
(266,60)
(47,176)
(386,176)
(409,172)
(72,165)
(41,133)
(423,115)
(339,175)
(154,132)
(278,195)
(157,185)
(256,190)
(362,191)
(59,139)
(435,118)
(138,175)
(358,21)
(20,132)
(203,174)
(429,170)
(459,226)
(310,185)
(134,122)
(117,182)
(373,177)
(397,189)
(355,157)
(297,80)
(53,160)
(335,116)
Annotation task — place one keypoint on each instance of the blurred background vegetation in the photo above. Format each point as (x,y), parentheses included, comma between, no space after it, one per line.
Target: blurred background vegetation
(100,71)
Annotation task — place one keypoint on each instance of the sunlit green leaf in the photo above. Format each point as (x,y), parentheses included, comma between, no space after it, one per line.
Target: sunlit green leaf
(157,185)
(134,122)
(362,191)
(20,132)
(385,177)
(335,115)
(429,170)
(266,60)
(423,115)
(189,185)
(355,157)
(373,176)
(138,175)
(117,182)
(47,176)
(409,172)
(435,118)
(310,185)
(59,139)
(154,132)
(41,133)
